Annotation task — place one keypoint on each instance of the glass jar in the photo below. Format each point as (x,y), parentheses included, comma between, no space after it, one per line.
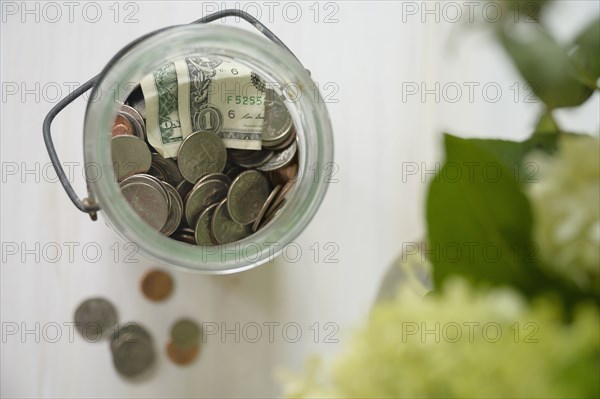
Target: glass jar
(272,62)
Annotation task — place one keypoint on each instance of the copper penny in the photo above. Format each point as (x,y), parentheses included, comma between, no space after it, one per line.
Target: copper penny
(182,357)
(157,285)
(122,126)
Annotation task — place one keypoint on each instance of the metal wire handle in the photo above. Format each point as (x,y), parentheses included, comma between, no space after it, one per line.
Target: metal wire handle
(88,204)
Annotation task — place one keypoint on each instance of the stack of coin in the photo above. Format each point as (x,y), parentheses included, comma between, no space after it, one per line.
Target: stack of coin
(132,350)
(208,195)
(183,345)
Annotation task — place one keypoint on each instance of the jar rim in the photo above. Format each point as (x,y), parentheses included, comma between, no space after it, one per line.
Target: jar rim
(315,145)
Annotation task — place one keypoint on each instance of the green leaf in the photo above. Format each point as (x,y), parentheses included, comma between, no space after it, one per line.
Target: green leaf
(483,213)
(586,55)
(545,65)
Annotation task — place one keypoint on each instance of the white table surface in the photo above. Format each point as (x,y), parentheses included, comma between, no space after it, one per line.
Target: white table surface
(371,55)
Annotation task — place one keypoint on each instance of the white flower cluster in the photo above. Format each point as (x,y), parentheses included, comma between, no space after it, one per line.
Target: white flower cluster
(566,206)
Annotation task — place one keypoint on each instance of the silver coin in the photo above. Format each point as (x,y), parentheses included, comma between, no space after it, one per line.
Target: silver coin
(284,144)
(280,159)
(94,319)
(148,179)
(246,196)
(215,176)
(175,211)
(157,172)
(250,158)
(201,196)
(132,350)
(278,202)
(202,232)
(130,155)
(136,119)
(201,153)
(264,208)
(148,202)
(168,168)
(224,229)
(185,334)
(278,121)
(184,188)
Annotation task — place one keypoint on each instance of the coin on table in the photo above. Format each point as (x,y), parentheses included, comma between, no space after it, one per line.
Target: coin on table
(202,232)
(94,318)
(132,350)
(167,168)
(182,357)
(246,196)
(148,201)
(223,229)
(175,210)
(278,121)
(201,153)
(264,208)
(280,159)
(202,195)
(157,285)
(130,155)
(185,334)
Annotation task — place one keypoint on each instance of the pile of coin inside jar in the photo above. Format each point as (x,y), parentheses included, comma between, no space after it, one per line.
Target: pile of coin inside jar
(209,194)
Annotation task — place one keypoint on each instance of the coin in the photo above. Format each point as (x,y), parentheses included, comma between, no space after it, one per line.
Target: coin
(94,318)
(246,196)
(265,207)
(150,180)
(215,176)
(201,153)
(202,195)
(223,229)
(278,202)
(157,285)
(130,155)
(284,144)
(184,237)
(202,232)
(122,126)
(175,210)
(168,168)
(136,120)
(185,334)
(284,174)
(184,188)
(280,159)
(132,350)
(278,121)
(148,202)
(182,357)
(250,158)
